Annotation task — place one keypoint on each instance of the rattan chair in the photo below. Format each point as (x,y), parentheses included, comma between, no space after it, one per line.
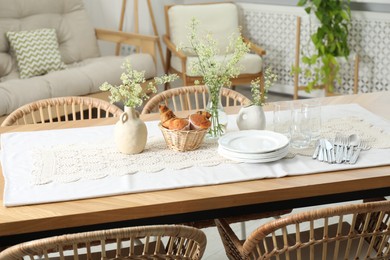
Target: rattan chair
(61,109)
(146,242)
(192,98)
(354,231)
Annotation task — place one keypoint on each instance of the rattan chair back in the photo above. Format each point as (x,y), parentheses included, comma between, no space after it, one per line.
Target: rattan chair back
(354,231)
(192,98)
(61,109)
(148,242)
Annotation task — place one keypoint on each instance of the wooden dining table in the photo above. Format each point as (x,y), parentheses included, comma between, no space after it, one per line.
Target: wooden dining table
(183,205)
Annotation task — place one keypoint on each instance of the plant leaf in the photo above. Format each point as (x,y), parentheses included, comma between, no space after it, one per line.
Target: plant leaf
(302,2)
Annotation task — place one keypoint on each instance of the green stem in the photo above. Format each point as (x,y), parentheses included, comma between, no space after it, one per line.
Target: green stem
(216,129)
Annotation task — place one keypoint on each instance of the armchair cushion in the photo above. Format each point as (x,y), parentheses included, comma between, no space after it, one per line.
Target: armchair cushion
(36,52)
(220,20)
(250,64)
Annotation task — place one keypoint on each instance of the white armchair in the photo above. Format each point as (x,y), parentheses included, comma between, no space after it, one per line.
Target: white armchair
(221,20)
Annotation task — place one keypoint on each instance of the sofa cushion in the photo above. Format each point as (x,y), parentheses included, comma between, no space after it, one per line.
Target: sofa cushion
(76,36)
(81,78)
(36,52)
(5,64)
(220,20)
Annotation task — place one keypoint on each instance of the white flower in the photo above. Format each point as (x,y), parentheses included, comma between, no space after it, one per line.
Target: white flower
(131,92)
(215,72)
(259,97)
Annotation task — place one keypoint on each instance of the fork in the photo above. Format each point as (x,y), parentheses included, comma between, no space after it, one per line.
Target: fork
(338,141)
(342,149)
(363,145)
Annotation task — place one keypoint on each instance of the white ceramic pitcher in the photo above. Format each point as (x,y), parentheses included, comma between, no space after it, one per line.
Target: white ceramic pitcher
(130,132)
(251,117)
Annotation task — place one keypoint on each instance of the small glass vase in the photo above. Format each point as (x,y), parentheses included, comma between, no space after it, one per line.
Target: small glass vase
(219,118)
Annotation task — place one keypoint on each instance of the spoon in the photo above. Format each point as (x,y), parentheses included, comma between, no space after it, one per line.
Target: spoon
(353,140)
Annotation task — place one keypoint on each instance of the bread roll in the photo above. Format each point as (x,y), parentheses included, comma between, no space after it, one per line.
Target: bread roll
(205,113)
(200,120)
(165,114)
(177,124)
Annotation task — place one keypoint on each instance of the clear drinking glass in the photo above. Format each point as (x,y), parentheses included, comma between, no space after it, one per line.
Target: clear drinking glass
(282,118)
(313,108)
(300,129)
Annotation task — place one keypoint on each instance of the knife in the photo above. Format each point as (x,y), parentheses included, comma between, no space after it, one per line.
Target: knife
(316,151)
(324,151)
(321,151)
(330,151)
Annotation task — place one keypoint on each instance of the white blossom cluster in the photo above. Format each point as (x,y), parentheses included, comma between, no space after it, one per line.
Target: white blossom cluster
(215,73)
(131,92)
(259,96)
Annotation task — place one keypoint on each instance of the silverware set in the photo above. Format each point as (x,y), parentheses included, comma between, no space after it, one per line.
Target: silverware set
(343,149)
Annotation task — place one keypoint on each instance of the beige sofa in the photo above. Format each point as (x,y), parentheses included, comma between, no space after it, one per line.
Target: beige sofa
(85,68)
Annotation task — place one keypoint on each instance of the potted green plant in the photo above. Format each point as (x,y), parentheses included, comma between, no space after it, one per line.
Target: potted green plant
(330,41)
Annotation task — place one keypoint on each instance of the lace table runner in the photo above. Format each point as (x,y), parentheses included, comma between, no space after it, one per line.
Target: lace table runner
(70,163)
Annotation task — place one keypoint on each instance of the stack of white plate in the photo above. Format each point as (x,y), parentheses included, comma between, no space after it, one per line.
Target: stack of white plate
(253,146)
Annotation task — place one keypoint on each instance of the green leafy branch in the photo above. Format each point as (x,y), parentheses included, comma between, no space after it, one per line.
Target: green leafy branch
(330,41)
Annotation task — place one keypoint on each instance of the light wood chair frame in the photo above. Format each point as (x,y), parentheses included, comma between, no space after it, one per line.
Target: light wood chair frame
(144,242)
(298,87)
(144,43)
(370,222)
(136,26)
(61,109)
(190,80)
(192,98)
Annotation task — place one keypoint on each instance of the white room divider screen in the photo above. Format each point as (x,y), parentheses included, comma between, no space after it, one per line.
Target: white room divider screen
(274,28)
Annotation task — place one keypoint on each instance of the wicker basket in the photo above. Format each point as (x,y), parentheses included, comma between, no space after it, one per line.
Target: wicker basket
(183,140)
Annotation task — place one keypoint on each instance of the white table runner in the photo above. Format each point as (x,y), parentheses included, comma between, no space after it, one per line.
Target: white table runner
(18,158)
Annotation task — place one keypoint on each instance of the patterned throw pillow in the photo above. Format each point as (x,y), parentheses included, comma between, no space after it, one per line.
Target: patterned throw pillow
(36,52)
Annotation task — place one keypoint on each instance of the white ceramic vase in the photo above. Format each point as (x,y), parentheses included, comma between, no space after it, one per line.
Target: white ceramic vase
(130,132)
(251,117)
